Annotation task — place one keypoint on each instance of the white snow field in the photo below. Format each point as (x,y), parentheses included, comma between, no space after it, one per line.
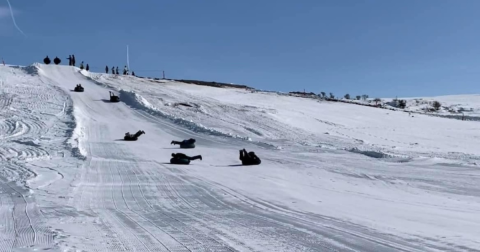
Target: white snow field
(334,176)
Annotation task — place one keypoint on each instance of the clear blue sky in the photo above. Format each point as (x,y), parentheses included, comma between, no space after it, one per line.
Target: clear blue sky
(382,48)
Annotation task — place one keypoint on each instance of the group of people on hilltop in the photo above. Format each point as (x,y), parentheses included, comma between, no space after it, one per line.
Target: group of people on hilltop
(115,70)
(71,62)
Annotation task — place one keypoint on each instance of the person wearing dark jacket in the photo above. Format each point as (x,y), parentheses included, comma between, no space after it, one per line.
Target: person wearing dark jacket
(249,158)
(73,60)
(87,68)
(135,136)
(113,70)
(70,60)
(116,70)
(180,158)
(189,141)
(185,144)
(183,156)
(106,69)
(81,65)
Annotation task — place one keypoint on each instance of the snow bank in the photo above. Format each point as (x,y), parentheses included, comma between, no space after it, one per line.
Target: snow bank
(76,135)
(136,101)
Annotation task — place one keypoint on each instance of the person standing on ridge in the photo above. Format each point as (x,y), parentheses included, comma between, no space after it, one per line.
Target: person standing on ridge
(116,70)
(88,68)
(113,70)
(69,60)
(73,60)
(106,69)
(81,65)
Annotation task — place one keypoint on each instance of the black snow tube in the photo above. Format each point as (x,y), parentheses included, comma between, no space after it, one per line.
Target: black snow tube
(187,145)
(78,89)
(181,161)
(251,162)
(127,138)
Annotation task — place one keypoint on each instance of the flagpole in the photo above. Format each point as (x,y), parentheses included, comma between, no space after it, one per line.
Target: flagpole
(128,62)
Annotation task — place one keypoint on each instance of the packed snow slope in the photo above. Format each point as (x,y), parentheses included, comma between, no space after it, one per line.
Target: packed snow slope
(334,176)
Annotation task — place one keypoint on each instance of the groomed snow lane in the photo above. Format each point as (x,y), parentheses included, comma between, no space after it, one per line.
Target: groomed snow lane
(134,201)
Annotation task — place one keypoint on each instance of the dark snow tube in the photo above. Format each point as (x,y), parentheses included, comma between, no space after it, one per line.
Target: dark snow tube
(187,145)
(126,138)
(182,161)
(78,89)
(251,162)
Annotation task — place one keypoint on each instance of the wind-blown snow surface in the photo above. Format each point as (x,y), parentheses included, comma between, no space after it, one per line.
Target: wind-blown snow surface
(334,176)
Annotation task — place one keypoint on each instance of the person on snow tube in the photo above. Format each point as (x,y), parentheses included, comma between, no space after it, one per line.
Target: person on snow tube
(129,136)
(249,158)
(79,87)
(190,143)
(180,158)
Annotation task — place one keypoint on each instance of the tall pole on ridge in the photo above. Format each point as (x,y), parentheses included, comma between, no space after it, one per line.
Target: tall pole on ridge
(128,62)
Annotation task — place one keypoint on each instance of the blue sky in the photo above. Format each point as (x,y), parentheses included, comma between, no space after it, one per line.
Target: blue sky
(382,48)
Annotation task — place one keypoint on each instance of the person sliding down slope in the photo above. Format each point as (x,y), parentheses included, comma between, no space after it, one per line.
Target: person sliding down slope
(180,158)
(249,158)
(190,143)
(129,136)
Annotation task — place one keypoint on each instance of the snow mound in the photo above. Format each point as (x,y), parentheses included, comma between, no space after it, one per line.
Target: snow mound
(137,101)
(380,155)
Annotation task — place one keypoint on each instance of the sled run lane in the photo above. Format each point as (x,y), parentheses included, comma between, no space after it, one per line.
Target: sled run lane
(131,199)
(125,196)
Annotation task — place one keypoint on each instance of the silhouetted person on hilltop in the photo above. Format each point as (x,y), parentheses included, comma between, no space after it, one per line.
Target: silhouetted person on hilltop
(113,70)
(47,60)
(73,60)
(69,60)
(88,68)
(133,73)
(81,65)
(116,70)
(106,69)
(56,61)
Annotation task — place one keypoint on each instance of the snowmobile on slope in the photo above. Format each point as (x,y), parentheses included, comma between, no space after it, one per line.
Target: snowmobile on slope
(113,97)
(79,88)
(130,137)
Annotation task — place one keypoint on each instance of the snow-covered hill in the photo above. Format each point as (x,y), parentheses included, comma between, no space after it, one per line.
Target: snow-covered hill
(334,176)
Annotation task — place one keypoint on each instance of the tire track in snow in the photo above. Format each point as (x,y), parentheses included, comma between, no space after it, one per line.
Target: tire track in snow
(5,101)
(368,239)
(28,230)
(7,225)
(189,241)
(248,225)
(175,245)
(123,219)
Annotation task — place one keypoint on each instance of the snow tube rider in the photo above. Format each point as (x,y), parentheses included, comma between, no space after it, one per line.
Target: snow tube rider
(130,137)
(249,158)
(78,88)
(180,158)
(185,144)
